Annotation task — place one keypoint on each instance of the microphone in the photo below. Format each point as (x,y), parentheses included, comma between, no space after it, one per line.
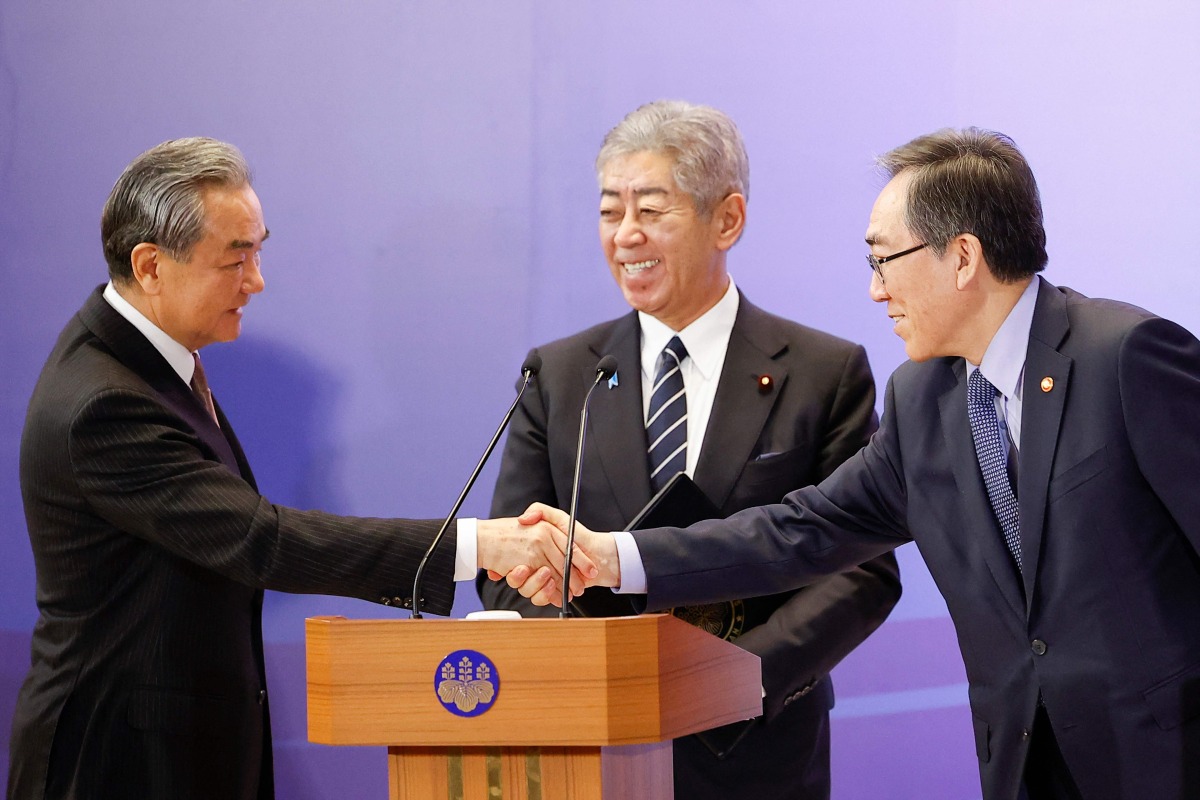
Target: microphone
(604,370)
(529,369)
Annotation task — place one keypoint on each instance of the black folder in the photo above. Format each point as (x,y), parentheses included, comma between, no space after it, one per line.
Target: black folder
(678,504)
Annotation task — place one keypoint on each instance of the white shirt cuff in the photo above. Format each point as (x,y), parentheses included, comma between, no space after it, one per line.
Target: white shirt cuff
(633,572)
(466,558)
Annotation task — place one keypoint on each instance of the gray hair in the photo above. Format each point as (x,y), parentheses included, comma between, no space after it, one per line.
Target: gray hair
(159,199)
(974,181)
(710,157)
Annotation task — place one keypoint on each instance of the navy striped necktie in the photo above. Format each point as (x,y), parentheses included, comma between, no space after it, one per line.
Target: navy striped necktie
(985,430)
(666,426)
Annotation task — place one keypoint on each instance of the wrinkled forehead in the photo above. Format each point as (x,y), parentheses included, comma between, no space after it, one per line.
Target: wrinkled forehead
(234,215)
(639,173)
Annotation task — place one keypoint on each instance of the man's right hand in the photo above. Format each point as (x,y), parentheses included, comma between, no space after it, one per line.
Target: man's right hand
(538,585)
(536,547)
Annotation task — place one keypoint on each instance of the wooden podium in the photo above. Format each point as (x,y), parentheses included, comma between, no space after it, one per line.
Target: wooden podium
(585,710)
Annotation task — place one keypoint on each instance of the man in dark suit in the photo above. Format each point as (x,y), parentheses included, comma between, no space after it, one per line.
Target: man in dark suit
(1042,449)
(767,405)
(152,544)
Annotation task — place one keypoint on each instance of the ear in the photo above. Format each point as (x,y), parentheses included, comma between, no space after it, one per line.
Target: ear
(729,219)
(970,266)
(145,262)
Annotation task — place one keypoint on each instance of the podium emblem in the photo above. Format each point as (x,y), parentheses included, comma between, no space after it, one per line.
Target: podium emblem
(467,683)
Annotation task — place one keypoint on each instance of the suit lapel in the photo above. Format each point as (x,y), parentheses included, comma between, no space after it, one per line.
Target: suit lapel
(134,350)
(1041,416)
(742,410)
(235,447)
(978,518)
(619,443)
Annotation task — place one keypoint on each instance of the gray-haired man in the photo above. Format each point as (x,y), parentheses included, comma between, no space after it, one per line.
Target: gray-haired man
(763,406)
(151,541)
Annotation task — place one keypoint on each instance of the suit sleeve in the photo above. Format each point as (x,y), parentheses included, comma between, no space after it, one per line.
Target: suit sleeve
(855,515)
(811,632)
(1159,369)
(143,471)
(524,478)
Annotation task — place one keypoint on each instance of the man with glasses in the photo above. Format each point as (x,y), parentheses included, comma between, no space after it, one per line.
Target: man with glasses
(1042,448)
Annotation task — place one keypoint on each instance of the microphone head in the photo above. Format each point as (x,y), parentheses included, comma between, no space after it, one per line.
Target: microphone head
(606,367)
(532,365)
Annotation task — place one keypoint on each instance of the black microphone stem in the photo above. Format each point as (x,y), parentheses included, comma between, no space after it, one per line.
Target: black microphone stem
(527,374)
(604,371)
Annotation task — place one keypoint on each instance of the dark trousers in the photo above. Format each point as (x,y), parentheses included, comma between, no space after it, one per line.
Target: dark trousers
(1046,774)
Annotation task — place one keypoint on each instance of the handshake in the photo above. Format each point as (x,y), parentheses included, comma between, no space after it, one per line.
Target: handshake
(528,551)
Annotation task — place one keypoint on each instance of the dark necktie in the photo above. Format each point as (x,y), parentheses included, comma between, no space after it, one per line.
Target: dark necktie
(985,430)
(1013,464)
(666,427)
(200,387)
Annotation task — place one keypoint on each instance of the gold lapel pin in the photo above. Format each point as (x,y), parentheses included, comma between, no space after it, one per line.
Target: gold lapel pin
(1047,383)
(765,383)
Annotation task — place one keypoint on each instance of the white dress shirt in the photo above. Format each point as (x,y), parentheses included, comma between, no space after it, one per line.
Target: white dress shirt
(178,356)
(1003,363)
(706,340)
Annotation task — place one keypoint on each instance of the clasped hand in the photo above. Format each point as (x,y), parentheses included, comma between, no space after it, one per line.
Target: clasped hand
(529,551)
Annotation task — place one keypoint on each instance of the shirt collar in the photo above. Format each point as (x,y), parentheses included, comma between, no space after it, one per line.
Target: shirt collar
(178,356)
(1003,362)
(703,338)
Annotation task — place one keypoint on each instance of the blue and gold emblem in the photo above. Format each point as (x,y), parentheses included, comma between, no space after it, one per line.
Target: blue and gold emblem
(467,683)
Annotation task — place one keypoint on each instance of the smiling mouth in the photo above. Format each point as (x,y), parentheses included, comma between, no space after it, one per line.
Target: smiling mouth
(634,267)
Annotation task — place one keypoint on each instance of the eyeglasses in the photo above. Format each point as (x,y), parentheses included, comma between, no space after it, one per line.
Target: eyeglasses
(877,263)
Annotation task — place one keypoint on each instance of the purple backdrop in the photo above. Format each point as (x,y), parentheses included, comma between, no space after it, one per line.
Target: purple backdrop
(426,173)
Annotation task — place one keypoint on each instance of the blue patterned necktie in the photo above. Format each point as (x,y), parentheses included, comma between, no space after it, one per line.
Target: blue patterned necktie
(666,427)
(985,430)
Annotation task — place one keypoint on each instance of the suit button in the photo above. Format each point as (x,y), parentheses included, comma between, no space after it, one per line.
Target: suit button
(262,696)
(1025,735)
(1039,647)
(387,601)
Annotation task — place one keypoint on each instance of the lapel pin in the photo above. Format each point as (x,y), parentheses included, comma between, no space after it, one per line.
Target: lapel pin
(1047,383)
(765,384)
(613,382)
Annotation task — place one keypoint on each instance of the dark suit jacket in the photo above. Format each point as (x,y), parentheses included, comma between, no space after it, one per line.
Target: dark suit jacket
(152,548)
(1104,622)
(757,448)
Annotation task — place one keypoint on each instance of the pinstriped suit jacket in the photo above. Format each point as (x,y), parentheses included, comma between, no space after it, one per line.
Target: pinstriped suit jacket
(152,547)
